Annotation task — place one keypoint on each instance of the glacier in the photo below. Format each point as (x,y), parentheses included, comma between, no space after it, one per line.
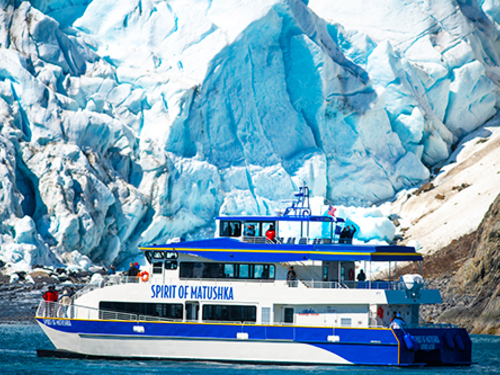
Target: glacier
(134,122)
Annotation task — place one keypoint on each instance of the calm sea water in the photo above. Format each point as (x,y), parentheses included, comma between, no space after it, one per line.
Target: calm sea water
(18,344)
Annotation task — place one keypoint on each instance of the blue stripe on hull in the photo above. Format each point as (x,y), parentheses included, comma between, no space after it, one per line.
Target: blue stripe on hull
(356,345)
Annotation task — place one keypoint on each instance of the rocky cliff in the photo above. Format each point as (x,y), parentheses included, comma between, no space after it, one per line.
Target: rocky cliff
(479,277)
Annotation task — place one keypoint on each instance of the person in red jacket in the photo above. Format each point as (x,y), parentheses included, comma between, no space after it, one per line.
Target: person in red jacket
(50,297)
(270,234)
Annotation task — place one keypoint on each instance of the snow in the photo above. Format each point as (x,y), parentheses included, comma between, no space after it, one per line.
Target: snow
(134,122)
(433,222)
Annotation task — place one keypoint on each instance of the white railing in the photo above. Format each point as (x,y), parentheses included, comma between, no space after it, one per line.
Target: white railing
(57,310)
(384,285)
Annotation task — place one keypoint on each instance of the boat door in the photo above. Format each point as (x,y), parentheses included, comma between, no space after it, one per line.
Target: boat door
(330,317)
(288,315)
(192,310)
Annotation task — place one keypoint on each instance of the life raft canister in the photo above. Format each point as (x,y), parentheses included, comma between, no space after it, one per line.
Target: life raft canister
(449,341)
(459,343)
(144,275)
(380,312)
(351,274)
(410,342)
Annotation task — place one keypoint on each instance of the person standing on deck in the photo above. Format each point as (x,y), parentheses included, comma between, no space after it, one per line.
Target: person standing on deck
(291,277)
(270,234)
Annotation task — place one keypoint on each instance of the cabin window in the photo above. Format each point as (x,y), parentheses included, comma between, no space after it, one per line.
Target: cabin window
(171,265)
(229,270)
(266,315)
(244,271)
(252,229)
(157,268)
(214,270)
(157,255)
(109,309)
(230,229)
(230,313)
(345,322)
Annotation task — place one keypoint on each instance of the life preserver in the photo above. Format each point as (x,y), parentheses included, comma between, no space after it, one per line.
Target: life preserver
(144,275)
(380,312)
(351,274)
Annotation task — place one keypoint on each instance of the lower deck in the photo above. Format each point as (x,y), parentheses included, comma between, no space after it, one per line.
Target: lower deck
(257,343)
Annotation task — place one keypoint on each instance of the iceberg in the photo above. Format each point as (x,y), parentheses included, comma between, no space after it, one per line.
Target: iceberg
(133,122)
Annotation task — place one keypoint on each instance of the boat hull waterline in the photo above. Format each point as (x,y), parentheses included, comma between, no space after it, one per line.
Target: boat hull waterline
(285,345)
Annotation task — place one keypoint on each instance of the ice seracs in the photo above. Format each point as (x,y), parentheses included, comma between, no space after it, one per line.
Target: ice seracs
(129,123)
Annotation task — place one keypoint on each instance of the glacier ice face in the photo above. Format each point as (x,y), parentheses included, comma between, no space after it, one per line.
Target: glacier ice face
(132,122)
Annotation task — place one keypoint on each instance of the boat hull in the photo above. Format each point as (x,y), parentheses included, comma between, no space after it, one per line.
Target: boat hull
(248,343)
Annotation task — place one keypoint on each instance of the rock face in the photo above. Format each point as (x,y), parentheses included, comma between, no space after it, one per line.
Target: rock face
(479,277)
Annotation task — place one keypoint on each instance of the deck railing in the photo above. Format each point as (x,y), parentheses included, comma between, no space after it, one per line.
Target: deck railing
(313,284)
(64,312)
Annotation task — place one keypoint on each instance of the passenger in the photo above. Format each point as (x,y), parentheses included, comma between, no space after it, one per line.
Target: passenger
(111,270)
(64,301)
(251,231)
(291,277)
(343,235)
(137,272)
(271,234)
(350,235)
(132,272)
(398,322)
(361,276)
(53,296)
(235,229)
(393,316)
(48,297)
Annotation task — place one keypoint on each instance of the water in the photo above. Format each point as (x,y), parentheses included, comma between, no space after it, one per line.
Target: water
(18,344)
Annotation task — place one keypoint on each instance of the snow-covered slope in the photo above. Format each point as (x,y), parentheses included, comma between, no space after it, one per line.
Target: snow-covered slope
(463,191)
(134,121)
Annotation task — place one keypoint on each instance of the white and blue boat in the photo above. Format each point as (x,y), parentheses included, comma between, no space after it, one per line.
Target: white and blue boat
(232,299)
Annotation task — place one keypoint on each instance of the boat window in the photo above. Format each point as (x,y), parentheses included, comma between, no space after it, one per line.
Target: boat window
(171,265)
(252,229)
(171,255)
(109,310)
(229,270)
(345,322)
(149,256)
(214,270)
(157,267)
(230,229)
(158,254)
(266,225)
(186,270)
(263,271)
(244,271)
(266,315)
(230,313)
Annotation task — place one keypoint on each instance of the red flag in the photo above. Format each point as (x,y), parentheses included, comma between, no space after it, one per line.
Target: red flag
(331,211)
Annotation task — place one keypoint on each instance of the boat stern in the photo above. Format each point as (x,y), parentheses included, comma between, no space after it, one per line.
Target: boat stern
(445,346)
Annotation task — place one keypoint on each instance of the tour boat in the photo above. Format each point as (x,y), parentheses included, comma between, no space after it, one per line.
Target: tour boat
(234,298)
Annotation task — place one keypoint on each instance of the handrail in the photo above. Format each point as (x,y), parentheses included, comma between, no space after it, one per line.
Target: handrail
(56,310)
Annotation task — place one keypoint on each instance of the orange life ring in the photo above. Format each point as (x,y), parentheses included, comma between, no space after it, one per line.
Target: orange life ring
(380,312)
(351,274)
(144,275)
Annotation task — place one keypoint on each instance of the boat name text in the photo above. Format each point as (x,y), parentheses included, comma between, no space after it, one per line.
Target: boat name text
(220,293)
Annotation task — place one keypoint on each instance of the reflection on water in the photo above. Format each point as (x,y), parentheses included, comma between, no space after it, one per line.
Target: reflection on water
(18,344)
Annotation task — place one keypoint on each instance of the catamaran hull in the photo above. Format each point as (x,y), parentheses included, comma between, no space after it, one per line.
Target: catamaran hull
(258,344)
